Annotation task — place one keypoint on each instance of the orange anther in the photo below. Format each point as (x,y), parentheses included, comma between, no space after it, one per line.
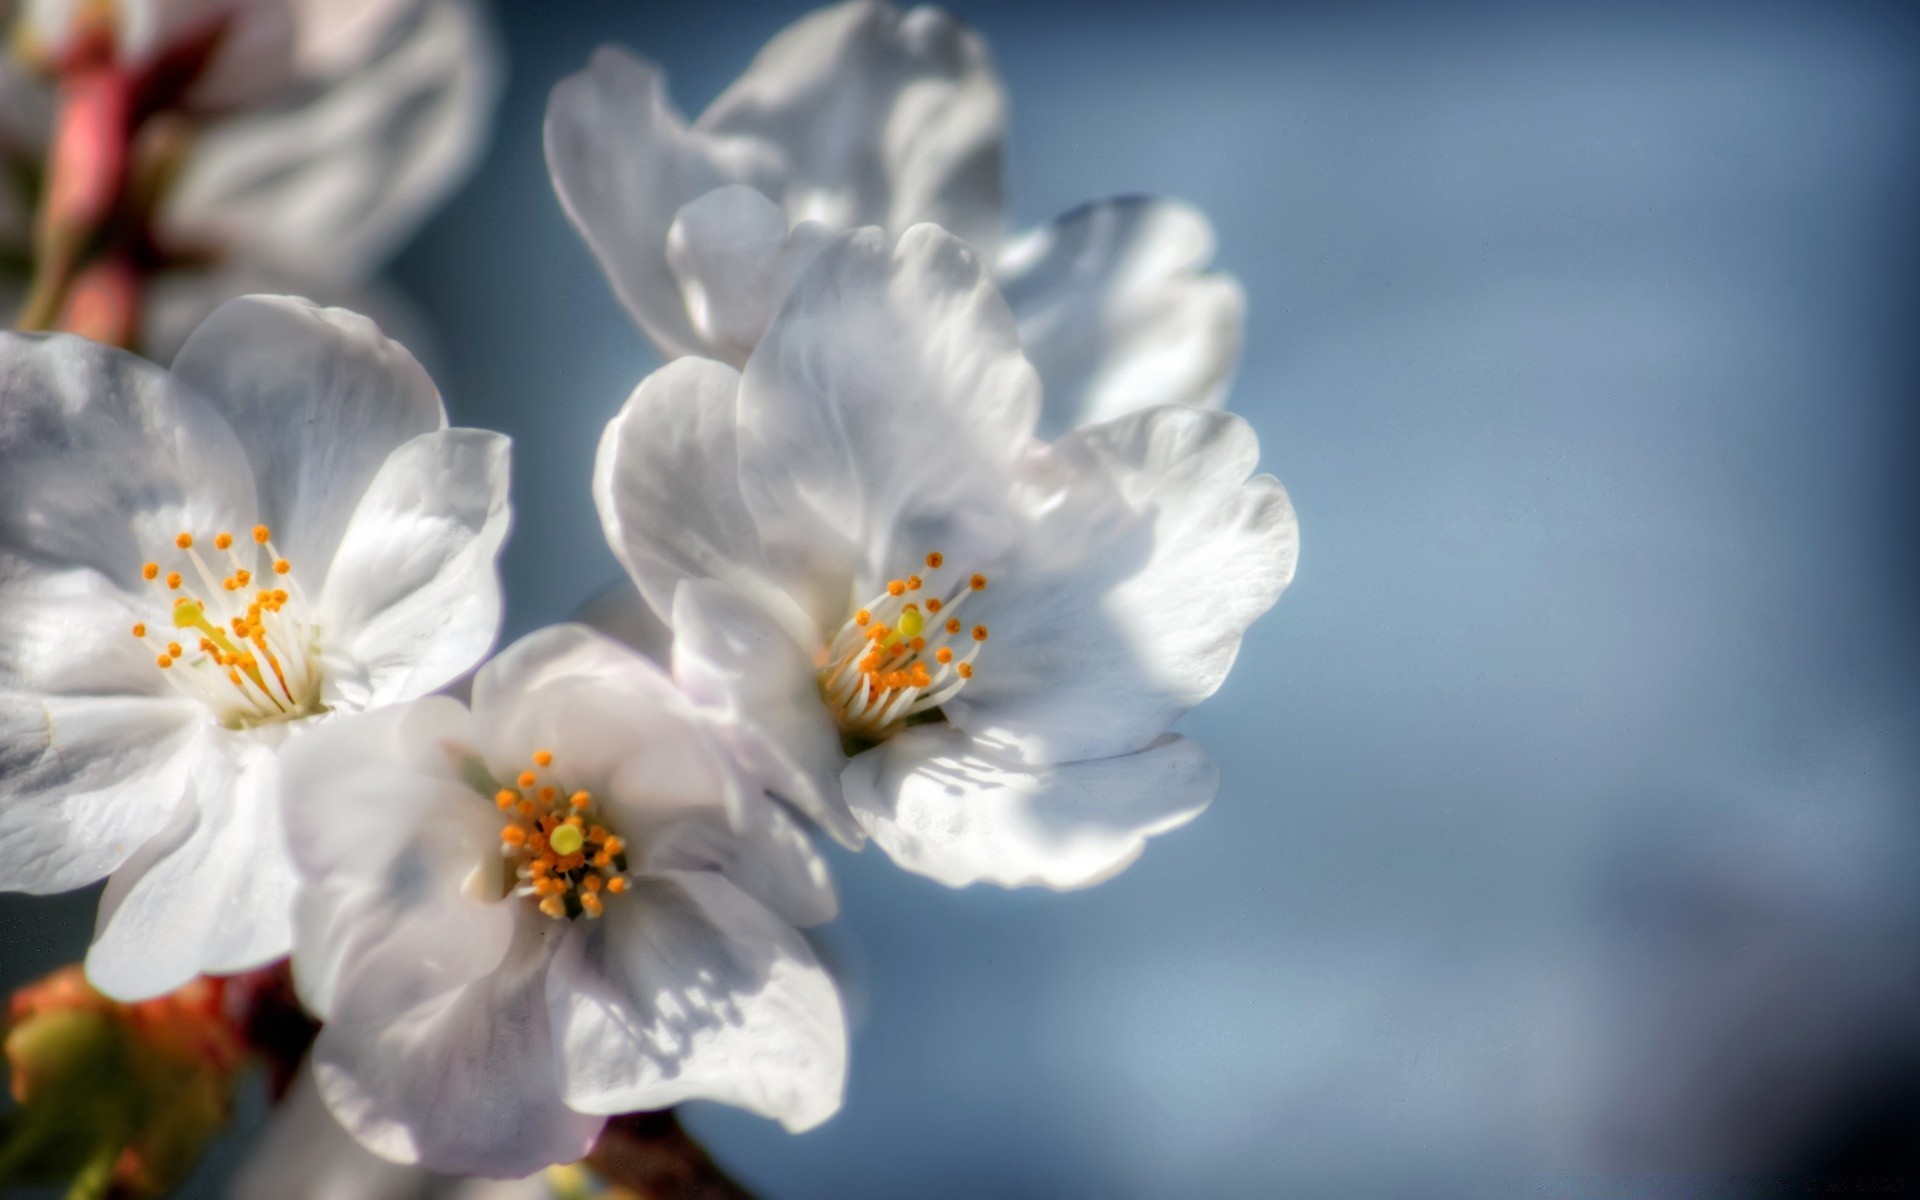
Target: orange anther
(896,587)
(615,845)
(139,629)
(244,576)
(547,794)
(526,808)
(592,883)
(222,540)
(553,907)
(513,835)
(281,566)
(913,583)
(261,534)
(163,662)
(934,560)
(527,779)
(543,758)
(505,798)
(184,541)
(979,633)
(934,604)
(173,648)
(150,572)
(966,670)
(592,905)
(580,800)
(953,624)
(977,582)
(918,644)
(233,677)
(173,579)
(943,655)
(859,618)
(617,884)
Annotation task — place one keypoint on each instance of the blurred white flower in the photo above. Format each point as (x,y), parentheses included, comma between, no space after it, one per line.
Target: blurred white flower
(835,534)
(859,115)
(268,145)
(519,919)
(196,567)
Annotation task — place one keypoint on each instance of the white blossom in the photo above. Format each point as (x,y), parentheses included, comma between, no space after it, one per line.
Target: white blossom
(520,919)
(320,133)
(197,566)
(862,549)
(860,115)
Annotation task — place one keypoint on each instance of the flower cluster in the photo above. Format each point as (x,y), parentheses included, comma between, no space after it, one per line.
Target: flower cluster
(946,530)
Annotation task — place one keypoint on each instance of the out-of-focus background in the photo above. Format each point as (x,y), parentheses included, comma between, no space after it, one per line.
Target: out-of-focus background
(1567,834)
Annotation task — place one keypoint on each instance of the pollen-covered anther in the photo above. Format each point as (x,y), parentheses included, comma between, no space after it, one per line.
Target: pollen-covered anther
(563,859)
(889,663)
(254,659)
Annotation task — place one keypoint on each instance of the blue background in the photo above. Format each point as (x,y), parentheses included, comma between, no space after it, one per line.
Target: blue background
(1567,817)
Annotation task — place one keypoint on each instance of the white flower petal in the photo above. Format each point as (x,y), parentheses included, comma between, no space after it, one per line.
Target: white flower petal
(213,892)
(319,398)
(623,163)
(1118,312)
(412,599)
(666,481)
(735,261)
(1151,555)
(772,860)
(874,118)
(619,611)
(303,1154)
(104,458)
(741,666)
(456,1077)
(881,415)
(943,806)
(333,184)
(688,988)
(615,722)
(85,781)
(392,849)
(93,743)
(339,35)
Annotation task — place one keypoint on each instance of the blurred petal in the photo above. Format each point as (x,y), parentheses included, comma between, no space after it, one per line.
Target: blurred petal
(304,1154)
(413,596)
(689,989)
(1150,555)
(623,163)
(881,416)
(873,117)
(1118,312)
(319,398)
(213,892)
(942,805)
(332,185)
(619,611)
(735,261)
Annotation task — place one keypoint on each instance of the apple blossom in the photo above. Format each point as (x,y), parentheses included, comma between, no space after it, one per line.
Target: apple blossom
(926,625)
(197,566)
(861,115)
(519,919)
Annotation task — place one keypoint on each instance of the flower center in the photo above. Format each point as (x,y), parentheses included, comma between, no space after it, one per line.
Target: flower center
(244,650)
(895,658)
(560,854)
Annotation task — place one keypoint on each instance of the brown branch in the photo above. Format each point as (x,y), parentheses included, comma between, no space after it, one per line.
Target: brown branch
(650,1155)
